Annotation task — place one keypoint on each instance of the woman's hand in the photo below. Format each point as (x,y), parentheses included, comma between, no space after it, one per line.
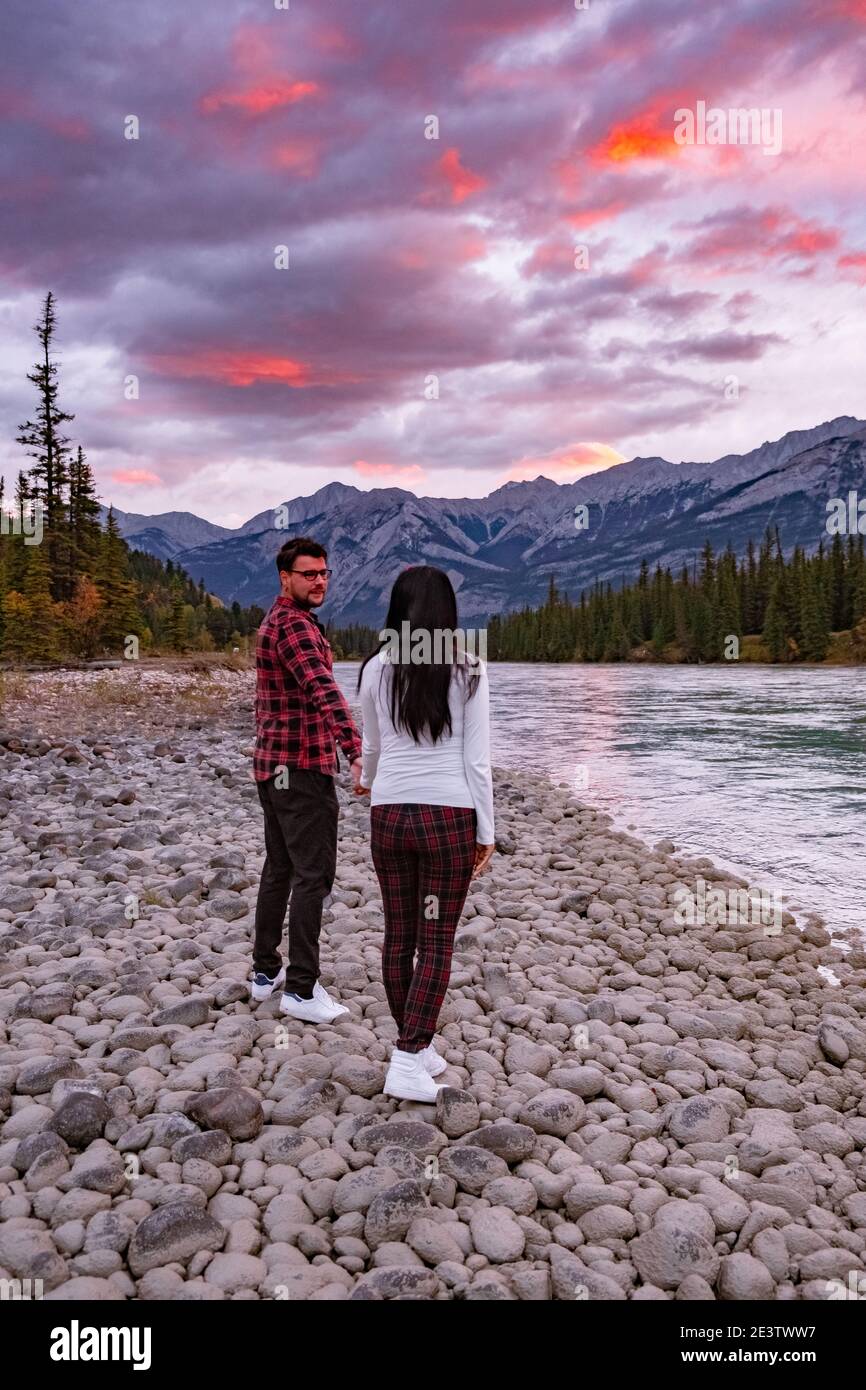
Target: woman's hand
(483,856)
(356,768)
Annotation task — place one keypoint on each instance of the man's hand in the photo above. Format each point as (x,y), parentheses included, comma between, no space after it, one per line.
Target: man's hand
(483,856)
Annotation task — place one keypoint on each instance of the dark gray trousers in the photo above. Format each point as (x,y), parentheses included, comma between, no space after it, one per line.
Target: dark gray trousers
(301,860)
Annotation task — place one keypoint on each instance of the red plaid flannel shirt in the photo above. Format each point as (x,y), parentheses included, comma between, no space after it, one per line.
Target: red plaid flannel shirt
(300,709)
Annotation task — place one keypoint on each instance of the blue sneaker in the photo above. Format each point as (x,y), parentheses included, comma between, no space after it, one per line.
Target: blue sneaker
(263,986)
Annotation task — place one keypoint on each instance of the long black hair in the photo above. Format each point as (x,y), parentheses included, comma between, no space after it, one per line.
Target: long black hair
(424,597)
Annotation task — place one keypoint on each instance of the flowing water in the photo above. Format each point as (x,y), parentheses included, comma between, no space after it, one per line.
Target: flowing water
(762,769)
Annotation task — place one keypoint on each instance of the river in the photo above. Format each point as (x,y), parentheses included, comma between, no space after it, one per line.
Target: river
(761,768)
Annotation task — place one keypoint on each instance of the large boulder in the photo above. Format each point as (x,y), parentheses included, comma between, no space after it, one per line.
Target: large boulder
(173,1234)
(230,1108)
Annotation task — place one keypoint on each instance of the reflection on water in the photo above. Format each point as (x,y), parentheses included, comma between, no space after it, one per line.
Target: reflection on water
(760,768)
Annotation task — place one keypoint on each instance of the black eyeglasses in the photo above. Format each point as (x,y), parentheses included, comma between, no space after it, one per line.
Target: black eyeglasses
(313,574)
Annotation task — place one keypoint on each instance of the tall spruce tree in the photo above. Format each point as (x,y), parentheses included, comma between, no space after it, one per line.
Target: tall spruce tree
(44,440)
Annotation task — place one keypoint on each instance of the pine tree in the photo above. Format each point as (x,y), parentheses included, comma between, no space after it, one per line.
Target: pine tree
(702,628)
(774,627)
(44,441)
(708,570)
(727,608)
(85,534)
(42,617)
(118,610)
(813,622)
(177,622)
(617,646)
(765,579)
(749,596)
(837,588)
(644,612)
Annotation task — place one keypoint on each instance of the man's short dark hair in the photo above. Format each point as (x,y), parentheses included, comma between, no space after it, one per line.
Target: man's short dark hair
(303,545)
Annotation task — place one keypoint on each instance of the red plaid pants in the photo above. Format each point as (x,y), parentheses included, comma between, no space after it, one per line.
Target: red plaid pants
(423,857)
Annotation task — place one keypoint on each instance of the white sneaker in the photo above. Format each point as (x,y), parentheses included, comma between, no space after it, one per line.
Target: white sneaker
(307,1010)
(263,986)
(433,1062)
(320,993)
(409,1079)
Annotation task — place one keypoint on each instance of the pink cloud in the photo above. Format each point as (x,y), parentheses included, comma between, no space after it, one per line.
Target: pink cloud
(242,367)
(747,238)
(405,472)
(462,182)
(269,94)
(856,263)
(135,477)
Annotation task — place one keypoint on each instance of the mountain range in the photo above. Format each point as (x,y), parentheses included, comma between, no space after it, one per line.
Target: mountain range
(501,550)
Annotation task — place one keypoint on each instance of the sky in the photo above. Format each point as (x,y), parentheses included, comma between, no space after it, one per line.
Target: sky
(436,246)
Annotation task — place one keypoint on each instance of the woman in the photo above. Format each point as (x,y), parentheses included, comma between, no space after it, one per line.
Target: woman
(426,762)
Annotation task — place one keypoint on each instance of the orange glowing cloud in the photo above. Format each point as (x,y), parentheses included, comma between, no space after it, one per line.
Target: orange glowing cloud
(642,138)
(406,472)
(269,94)
(567,464)
(463,183)
(135,477)
(646,135)
(244,369)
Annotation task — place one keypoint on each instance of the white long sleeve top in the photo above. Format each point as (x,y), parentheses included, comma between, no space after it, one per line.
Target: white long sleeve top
(454,771)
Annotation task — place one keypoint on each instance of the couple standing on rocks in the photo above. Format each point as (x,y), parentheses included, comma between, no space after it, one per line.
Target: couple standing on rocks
(425,760)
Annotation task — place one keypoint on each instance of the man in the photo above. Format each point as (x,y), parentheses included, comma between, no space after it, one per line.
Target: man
(300,713)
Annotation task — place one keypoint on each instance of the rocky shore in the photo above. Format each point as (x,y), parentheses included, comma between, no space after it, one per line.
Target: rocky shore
(636,1108)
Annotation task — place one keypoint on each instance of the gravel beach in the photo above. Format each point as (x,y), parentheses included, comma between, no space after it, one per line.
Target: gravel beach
(636,1108)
